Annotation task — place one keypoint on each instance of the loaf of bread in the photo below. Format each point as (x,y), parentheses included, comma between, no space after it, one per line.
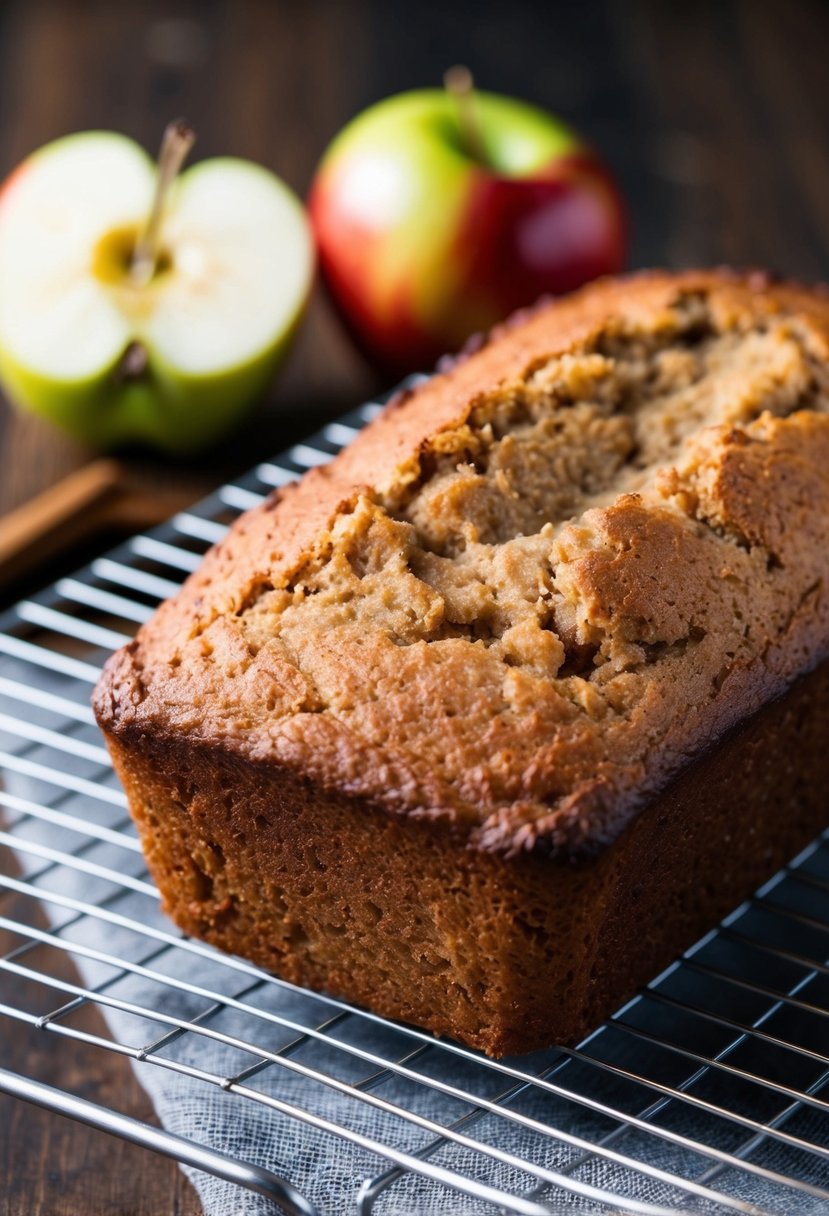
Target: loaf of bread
(484,722)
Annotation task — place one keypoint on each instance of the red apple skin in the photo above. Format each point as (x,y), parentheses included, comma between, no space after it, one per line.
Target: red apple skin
(547,235)
(509,240)
(385,331)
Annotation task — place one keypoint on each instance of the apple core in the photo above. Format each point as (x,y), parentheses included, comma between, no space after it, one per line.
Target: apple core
(113,257)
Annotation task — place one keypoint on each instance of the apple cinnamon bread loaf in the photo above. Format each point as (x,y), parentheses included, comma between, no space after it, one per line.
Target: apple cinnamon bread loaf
(484,722)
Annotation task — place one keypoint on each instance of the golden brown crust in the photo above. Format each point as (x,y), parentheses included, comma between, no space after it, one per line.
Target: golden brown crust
(437,626)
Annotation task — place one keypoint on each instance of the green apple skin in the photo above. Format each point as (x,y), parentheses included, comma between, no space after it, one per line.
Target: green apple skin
(165,408)
(171,407)
(421,244)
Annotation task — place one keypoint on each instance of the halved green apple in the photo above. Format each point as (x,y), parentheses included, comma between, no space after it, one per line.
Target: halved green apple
(171,361)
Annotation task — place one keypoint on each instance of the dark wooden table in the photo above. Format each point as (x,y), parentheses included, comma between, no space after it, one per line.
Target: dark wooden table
(714,116)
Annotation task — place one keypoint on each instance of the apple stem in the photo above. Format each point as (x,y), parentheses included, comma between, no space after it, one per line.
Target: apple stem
(176,142)
(460,85)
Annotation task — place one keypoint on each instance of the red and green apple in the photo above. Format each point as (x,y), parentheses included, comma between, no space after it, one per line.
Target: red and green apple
(437,213)
(168,353)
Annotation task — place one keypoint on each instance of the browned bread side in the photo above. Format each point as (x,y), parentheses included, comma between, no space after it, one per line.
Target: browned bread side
(504,954)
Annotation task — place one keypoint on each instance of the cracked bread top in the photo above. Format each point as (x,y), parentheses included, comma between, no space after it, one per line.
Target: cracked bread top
(534,587)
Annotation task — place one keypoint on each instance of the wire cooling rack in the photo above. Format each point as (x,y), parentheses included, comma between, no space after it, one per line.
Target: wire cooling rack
(706,1093)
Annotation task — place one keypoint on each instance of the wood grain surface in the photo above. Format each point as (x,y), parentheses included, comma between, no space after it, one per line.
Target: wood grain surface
(715,117)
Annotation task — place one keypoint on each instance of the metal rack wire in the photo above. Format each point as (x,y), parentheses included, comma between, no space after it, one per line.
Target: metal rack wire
(706,1093)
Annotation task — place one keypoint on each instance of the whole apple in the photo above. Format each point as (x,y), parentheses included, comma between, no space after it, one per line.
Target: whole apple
(167,352)
(437,215)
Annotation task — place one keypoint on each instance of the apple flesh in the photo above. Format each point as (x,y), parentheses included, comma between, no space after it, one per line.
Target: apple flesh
(422,243)
(232,276)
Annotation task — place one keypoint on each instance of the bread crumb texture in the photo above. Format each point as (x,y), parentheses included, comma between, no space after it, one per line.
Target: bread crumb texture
(537,585)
